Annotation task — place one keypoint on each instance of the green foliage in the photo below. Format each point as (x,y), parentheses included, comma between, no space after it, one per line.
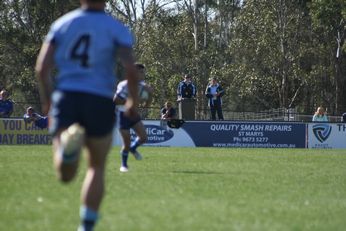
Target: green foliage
(267,54)
(167,59)
(24,25)
(329,24)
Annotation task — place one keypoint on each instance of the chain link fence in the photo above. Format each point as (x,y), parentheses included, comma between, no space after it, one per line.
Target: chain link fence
(153,113)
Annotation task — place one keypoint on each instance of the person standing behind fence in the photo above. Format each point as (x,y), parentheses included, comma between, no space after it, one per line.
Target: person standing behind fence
(214,93)
(343,117)
(186,88)
(6,105)
(320,115)
(85,45)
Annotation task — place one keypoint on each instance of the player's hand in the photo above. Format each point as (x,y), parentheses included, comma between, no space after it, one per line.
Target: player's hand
(131,108)
(131,113)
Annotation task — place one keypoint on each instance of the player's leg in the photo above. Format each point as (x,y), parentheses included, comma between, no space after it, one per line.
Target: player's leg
(66,151)
(140,139)
(68,137)
(98,143)
(93,186)
(126,138)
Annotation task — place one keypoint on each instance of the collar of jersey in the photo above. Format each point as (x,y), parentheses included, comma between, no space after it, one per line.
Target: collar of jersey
(92,10)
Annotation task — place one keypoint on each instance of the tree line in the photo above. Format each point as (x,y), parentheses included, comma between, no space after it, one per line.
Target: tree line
(266,54)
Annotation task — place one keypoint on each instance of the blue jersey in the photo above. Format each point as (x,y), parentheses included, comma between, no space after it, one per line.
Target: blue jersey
(186,90)
(6,108)
(40,121)
(85,44)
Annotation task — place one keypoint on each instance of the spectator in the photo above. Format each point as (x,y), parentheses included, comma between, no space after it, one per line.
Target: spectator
(186,89)
(214,92)
(320,115)
(343,118)
(31,116)
(168,112)
(6,105)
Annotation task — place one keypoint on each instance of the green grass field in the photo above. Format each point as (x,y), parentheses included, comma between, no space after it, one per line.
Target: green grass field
(190,189)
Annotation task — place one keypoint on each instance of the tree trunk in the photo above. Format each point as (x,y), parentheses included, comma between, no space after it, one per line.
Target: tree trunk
(205,24)
(195,24)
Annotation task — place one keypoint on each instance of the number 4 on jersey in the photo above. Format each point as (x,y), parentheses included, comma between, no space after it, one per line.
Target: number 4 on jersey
(80,50)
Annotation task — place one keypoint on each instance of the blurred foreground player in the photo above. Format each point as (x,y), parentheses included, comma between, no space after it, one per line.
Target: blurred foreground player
(125,123)
(83,45)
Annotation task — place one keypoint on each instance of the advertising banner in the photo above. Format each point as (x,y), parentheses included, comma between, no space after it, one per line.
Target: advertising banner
(247,134)
(226,134)
(16,131)
(202,134)
(159,134)
(325,135)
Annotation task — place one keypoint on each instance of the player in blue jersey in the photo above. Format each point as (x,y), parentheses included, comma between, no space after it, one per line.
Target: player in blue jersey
(126,123)
(83,45)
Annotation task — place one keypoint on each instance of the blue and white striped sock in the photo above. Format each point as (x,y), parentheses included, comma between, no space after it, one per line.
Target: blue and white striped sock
(88,218)
(124,157)
(135,144)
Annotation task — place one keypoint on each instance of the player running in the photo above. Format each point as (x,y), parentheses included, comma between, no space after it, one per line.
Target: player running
(83,45)
(125,123)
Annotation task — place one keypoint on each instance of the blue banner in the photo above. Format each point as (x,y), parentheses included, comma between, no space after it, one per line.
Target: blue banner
(247,134)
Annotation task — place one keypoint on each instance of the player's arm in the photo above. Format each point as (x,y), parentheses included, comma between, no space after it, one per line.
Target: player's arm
(44,65)
(118,101)
(126,57)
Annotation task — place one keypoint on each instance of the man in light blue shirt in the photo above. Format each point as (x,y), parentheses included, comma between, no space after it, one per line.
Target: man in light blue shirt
(83,45)
(214,93)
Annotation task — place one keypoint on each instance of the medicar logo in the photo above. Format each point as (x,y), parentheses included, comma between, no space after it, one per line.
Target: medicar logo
(156,134)
(322,131)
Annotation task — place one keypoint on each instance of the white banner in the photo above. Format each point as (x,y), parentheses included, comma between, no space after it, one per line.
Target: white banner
(223,134)
(325,135)
(159,135)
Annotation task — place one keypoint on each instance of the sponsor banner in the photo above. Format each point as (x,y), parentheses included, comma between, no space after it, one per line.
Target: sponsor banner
(16,131)
(325,135)
(247,134)
(225,134)
(159,134)
(202,134)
